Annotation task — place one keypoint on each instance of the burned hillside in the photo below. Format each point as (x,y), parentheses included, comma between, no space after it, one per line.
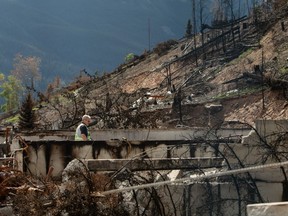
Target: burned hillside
(232,72)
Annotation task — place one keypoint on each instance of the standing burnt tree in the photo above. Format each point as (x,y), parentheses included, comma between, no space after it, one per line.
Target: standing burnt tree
(188,29)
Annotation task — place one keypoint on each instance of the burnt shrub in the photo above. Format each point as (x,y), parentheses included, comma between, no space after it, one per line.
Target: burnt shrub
(162,48)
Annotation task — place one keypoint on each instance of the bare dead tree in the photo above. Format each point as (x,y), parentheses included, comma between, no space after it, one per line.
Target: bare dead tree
(195,30)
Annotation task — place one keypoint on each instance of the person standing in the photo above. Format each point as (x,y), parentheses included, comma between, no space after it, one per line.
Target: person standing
(82,132)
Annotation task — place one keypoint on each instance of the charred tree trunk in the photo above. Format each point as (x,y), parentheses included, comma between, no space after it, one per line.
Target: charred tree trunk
(195,31)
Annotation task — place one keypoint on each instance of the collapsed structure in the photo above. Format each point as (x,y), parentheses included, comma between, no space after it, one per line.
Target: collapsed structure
(185,167)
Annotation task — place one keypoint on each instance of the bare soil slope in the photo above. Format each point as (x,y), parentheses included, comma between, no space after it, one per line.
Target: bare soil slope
(215,86)
(239,100)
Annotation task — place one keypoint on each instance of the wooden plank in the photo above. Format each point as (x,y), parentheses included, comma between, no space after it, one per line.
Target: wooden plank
(152,164)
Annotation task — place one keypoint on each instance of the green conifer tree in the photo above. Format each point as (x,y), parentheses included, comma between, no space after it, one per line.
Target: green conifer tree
(27,115)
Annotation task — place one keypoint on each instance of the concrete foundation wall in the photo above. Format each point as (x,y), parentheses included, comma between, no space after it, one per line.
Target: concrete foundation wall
(57,148)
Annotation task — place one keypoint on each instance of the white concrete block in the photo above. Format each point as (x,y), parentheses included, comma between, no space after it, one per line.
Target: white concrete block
(268,209)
